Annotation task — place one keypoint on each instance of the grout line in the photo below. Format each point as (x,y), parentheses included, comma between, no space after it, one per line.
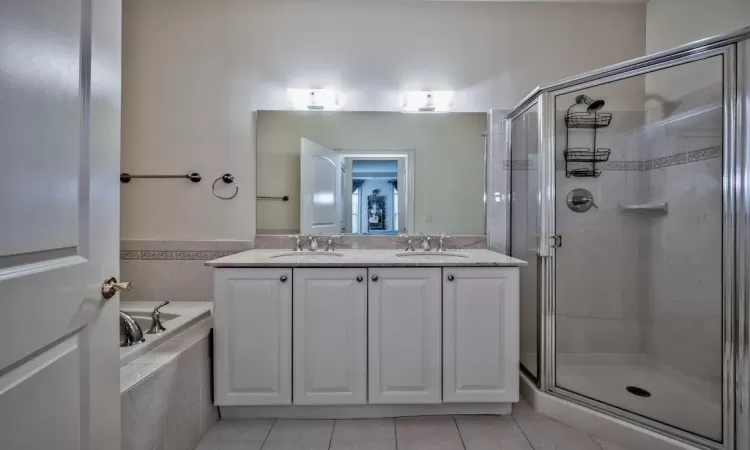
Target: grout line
(395,431)
(330,440)
(269,433)
(523,433)
(461,436)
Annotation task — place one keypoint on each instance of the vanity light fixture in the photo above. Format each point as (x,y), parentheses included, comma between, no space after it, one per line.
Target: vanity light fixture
(428,101)
(314,99)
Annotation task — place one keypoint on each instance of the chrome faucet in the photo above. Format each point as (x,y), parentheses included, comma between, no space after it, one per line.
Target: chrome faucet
(441,246)
(330,242)
(409,242)
(313,243)
(297,244)
(130,332)
(156,326)
(426,238)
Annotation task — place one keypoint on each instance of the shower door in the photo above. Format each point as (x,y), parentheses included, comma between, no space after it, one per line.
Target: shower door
(524,233)
(642,243)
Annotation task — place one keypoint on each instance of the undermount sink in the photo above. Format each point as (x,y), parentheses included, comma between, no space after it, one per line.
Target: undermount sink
(303,254)
(424,254)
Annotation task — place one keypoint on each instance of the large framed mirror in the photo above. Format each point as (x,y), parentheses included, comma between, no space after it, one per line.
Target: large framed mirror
(374,173)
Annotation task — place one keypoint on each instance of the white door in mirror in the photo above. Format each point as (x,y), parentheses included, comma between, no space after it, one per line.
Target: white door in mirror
(321,199)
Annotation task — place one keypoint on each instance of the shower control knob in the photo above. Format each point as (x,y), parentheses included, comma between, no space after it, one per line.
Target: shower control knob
(451,278)
(374,278)
(282,278)
(359,279)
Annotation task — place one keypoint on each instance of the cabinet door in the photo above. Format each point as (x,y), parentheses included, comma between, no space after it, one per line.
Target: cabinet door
(253,336)
(330,336)
(404,335)
(480,334)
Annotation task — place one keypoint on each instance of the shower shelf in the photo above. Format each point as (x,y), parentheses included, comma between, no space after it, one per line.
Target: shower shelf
(588,120)
(660,208)
(584,154)
(584,173)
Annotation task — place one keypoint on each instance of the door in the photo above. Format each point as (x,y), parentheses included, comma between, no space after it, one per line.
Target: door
(643,272)
(322,207)
(330,336)
(253,337)
(404,335)
(59,226)
(480,334)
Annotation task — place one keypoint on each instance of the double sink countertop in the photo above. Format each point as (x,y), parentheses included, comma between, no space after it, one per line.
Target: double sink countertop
(366,258)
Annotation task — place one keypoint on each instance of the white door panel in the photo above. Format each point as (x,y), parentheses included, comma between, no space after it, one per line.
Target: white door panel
(404,335)
(321,196)
(59,223)
(330,336)
(480,334)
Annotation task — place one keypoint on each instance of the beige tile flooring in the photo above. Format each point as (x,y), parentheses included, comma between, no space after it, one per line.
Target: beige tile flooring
(522,430)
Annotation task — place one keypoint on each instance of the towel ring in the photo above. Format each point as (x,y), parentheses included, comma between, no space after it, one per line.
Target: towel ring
(227,178)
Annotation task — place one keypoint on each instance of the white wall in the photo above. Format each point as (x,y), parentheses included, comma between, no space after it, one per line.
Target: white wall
(670,23)
(448,162)
(194,71)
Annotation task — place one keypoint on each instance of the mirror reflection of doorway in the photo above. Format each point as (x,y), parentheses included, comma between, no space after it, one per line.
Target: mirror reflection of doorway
(374,196)
(377,186)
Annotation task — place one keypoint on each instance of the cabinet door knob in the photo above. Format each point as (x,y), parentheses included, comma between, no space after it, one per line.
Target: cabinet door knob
(359,279)
(451,278)
(374,278)
(282,278)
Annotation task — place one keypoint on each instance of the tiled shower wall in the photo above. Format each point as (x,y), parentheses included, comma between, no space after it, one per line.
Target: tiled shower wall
(597,303)
(683,249)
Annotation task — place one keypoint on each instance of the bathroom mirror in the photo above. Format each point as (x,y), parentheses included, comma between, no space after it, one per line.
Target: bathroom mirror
(377,173)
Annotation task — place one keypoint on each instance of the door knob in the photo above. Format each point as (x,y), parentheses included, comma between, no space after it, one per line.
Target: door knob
(110,287)
(359,279)
(374,278)
(282,278)
(451,278)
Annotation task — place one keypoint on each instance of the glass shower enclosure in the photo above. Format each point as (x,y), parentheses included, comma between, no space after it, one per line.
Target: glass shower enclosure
(629,200)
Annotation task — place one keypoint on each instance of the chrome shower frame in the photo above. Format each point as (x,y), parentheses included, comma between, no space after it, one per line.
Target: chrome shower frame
(734,48)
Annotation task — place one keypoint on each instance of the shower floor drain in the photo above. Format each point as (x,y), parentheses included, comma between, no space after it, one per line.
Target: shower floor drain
(640,392)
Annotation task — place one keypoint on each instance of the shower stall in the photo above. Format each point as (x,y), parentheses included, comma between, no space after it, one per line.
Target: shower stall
(629,198)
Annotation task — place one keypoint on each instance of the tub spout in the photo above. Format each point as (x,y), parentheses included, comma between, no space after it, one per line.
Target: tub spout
(130,332)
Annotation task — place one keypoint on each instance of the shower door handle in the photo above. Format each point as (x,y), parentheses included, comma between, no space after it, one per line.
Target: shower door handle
(555,241)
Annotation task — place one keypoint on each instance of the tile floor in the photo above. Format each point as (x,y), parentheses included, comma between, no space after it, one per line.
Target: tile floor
(523,430)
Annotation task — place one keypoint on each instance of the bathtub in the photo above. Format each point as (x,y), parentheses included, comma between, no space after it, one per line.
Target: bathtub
(167,379)
(176,318)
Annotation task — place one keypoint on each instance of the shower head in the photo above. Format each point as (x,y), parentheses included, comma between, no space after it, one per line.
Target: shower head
(593,105)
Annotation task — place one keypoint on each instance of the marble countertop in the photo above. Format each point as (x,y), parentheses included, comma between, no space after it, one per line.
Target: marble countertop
(365,258)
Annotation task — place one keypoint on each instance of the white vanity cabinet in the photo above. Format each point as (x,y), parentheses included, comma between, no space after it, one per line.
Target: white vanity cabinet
(333,336)
(480,334)
(404,335)
(253,336)
(330,336)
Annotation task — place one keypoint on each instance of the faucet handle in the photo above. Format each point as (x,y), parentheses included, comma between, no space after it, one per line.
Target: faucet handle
(162,304)
(297,243)
(330,241)
(156,326)
(441,243)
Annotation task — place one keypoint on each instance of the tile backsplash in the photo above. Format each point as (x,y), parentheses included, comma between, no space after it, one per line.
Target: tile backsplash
(174,270)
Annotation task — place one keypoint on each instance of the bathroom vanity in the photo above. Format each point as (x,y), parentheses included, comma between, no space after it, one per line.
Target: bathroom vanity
(366,327)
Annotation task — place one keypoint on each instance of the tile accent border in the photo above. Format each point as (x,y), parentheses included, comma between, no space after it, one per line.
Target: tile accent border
(638,165)
(157,250)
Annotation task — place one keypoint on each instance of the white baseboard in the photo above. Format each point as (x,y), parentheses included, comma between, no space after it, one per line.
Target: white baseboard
(593,422)
(362,411)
